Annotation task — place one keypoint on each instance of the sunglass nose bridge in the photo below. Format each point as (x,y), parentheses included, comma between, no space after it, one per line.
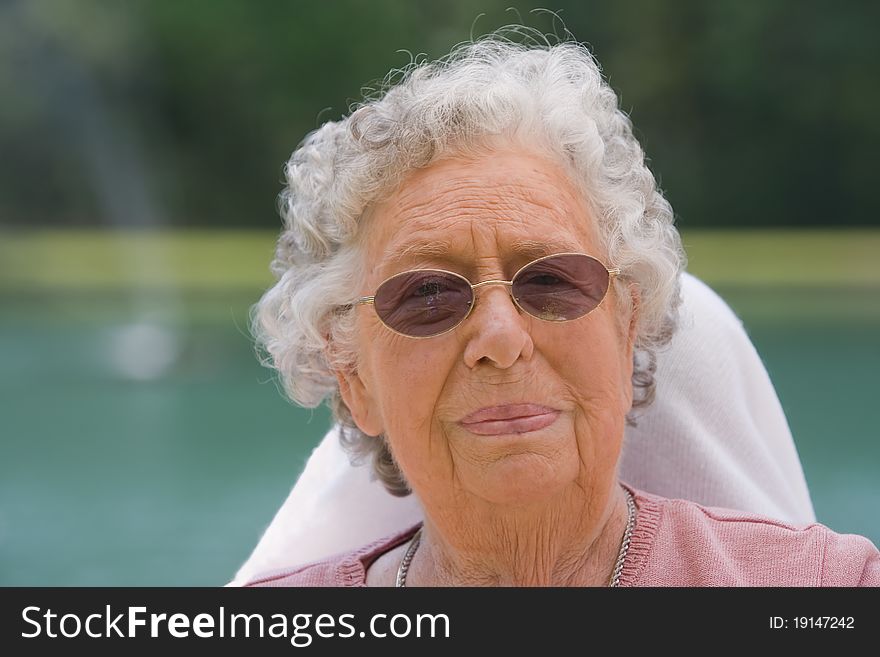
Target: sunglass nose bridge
(507,284)
(492,282)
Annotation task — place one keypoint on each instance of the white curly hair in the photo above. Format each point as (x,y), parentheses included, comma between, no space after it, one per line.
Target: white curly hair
(546,96)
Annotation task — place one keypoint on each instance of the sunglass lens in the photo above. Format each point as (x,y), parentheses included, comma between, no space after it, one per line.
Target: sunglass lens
(423,303)
(561,287)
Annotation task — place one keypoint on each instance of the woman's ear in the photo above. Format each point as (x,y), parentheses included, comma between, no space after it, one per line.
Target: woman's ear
(628,317)
(636,304)
(358,397)
(629,336)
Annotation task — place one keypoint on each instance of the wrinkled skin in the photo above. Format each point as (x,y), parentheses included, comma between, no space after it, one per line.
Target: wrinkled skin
(541,507)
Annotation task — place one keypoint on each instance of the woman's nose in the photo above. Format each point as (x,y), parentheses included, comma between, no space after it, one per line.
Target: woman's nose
(497,330)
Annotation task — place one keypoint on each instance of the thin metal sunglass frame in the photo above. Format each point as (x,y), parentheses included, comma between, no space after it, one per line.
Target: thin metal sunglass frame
(370,300)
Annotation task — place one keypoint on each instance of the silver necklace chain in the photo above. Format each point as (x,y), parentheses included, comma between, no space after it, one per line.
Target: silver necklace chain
(407,558)
(615,574)
(627,539)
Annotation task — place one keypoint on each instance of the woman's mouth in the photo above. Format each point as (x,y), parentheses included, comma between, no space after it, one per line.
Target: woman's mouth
(509,418)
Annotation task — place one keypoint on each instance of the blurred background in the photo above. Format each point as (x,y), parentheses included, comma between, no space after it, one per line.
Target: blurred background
(141,148)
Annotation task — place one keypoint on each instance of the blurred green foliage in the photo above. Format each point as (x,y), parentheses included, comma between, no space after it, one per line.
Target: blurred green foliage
(165,112)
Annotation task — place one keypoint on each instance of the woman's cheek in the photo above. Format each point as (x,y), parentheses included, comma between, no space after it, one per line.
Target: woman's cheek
(414,381)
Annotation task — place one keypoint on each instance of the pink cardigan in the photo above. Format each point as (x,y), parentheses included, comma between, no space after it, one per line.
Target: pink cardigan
(675,543)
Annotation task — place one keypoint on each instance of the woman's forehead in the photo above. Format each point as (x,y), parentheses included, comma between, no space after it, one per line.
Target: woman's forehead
(493,179)
(515,203)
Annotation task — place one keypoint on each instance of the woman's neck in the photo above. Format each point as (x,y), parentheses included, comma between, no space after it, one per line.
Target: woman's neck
(573,541)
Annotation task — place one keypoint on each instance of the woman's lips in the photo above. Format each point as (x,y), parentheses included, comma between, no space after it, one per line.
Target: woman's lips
(509,418)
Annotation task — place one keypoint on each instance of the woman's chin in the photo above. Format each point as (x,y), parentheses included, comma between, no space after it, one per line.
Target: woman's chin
(522,479)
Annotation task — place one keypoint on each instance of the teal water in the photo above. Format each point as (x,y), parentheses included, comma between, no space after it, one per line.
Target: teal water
(121,470)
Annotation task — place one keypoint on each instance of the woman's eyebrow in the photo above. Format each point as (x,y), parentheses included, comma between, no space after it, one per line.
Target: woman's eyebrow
(419,250)
(400,258)
(534,249)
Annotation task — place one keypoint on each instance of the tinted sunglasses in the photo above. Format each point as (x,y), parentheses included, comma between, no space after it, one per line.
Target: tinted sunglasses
(423,303)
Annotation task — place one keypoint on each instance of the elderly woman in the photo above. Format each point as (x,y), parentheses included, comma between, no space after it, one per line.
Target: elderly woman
(717,435)
(477,269)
